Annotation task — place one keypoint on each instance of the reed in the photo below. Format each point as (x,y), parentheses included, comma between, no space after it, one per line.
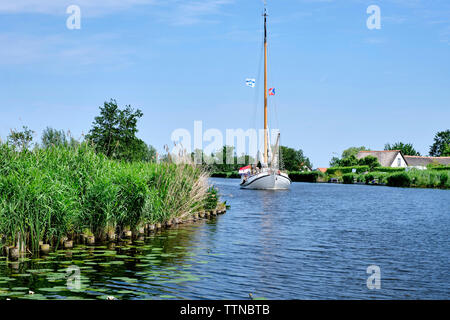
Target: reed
(62,192)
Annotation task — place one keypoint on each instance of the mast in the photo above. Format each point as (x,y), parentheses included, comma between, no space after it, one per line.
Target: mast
(265,87)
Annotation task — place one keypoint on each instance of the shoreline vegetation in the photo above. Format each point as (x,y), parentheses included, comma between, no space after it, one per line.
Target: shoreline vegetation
(107,187)
(58,196)
(434,177)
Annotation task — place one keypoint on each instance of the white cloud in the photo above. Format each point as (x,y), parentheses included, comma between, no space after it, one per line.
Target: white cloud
(175,12)
(60,6)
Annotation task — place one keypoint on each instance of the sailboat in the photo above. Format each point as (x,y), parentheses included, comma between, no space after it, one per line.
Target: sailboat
(267,176)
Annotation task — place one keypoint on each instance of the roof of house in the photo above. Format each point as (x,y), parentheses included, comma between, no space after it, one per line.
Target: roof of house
(424,161)
(385,157)
(322,169)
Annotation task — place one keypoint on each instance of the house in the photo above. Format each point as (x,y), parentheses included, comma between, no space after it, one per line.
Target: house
(422,162)
(387,158)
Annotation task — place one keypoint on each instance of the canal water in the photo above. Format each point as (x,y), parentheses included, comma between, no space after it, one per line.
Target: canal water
(314,241)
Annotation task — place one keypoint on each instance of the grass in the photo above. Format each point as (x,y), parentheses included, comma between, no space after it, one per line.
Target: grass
(50,194)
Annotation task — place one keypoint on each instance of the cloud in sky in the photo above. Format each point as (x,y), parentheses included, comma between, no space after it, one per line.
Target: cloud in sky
(174,12)
(60,6)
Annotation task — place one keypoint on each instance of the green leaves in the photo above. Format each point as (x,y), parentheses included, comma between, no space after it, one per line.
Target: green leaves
(114,134)
(406,148)
(441,145)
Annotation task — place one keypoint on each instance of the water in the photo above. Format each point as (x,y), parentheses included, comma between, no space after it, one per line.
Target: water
(312,242)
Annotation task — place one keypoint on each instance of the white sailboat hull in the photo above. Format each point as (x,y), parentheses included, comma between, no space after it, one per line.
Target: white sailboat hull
(267,181)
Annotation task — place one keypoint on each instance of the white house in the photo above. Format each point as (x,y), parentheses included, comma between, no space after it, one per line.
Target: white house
(387,158)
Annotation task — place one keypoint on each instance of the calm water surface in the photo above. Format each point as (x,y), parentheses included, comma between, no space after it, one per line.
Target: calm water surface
(312,242)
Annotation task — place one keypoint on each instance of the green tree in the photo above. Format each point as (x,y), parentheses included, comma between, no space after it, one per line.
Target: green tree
(446,152)
(349,161)
(352,151)
(294,160)
(114,131)
(21,140)
(348,157)
(440,146)
(52,137)
(406,148)
(370,161)
(335,162)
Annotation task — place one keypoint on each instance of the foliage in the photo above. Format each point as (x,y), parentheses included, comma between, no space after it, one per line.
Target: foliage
(344,170)
(114,131)
(370,161)
(352,151)
(21,140)
(294,160)
(311,176)
(348,158)
(47,194)
(440,147)
(211,200)
(388,169)
(406,148)
(348,178)
(399,180)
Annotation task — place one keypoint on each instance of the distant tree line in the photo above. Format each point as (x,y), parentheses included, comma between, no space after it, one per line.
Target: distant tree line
(290,159)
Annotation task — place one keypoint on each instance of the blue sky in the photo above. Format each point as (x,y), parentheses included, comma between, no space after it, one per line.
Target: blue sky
(338,83)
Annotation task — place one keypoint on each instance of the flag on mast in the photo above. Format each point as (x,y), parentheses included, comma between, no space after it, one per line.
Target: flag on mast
(271,91)
(250,82)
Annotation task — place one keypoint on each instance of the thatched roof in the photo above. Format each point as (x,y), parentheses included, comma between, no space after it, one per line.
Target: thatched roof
(413,161)
(385,158)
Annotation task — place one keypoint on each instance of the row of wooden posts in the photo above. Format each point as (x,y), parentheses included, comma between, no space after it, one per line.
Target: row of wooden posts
(14,252)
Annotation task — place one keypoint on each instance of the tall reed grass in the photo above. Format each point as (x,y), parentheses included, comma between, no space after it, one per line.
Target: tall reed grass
(50,194)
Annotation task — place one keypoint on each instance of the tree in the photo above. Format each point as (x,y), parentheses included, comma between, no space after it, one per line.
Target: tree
(406,148)
(352,151)
(349,161)
(21,140)
(113,133)
(52,137)
(348,157)
(446,152)
(440,146)
(370,161)
(294,160)
(335,162)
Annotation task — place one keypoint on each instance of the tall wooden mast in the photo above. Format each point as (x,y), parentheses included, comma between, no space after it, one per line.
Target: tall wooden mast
(265,88)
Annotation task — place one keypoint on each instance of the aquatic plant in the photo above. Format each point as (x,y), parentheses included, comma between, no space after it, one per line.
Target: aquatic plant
(51,194)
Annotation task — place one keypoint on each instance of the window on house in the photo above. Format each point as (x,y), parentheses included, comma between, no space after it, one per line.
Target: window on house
(399,162)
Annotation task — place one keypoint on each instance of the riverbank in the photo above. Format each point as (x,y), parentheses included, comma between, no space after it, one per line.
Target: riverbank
(61,195)
(438,178)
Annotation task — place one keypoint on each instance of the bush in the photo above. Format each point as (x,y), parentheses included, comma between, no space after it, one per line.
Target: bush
(348,178)
(399,180)
(344,170)
(219,175)
(388,169)
(439,168)
(305,176)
